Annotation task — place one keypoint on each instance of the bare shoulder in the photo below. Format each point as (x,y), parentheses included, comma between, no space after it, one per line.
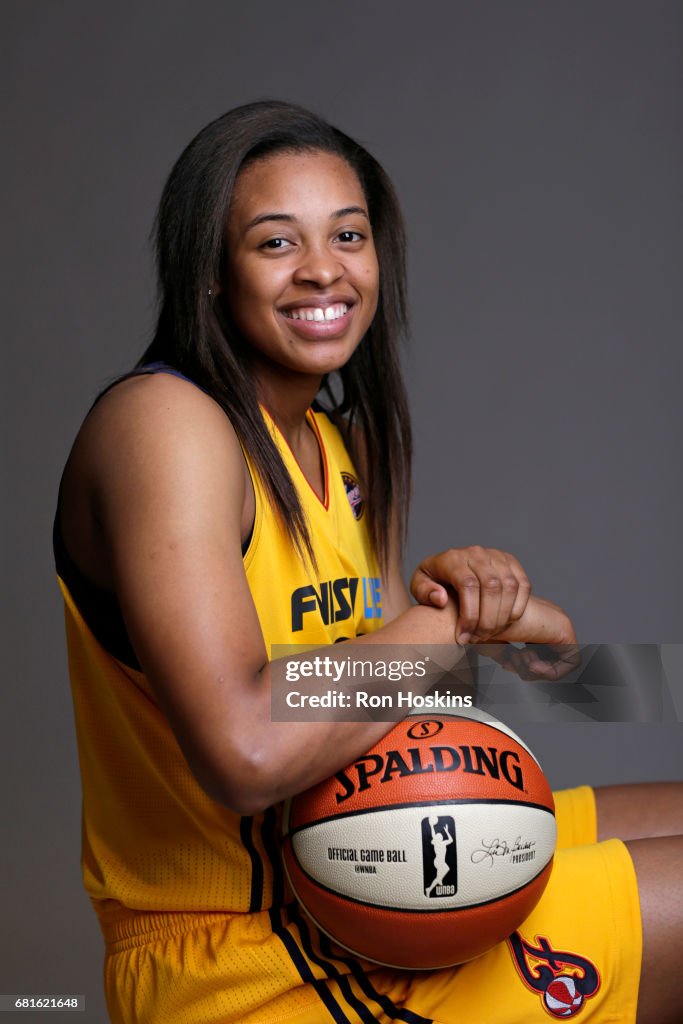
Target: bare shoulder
(151,445)
(145,423)
(156,410)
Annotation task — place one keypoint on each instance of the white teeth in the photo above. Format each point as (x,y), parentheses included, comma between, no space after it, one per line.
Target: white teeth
(317,313)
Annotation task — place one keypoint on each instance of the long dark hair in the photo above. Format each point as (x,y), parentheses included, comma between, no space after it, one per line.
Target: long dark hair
(195,337)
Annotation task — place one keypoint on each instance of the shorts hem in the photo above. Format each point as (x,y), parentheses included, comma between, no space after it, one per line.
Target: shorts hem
(627,924)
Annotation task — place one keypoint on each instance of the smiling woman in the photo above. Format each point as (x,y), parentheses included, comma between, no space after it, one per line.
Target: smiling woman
(303,280)
(247,485)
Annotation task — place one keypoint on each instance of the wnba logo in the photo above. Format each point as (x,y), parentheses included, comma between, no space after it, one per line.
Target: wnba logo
(439,861)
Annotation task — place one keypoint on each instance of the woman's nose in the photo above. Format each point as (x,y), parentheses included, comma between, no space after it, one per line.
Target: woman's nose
(318,266)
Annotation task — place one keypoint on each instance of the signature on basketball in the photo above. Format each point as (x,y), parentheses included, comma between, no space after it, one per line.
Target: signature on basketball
(519,850)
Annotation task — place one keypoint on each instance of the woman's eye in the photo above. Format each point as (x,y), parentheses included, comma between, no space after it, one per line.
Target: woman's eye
(276,243)
(350,236)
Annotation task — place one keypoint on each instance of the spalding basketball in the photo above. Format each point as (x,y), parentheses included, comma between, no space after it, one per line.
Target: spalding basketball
(428,850)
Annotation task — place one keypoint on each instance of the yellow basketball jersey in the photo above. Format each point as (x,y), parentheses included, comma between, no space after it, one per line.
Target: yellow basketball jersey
(152,839)
(343,600)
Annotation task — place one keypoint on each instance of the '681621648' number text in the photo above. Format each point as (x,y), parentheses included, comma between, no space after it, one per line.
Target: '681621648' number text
(61,1002)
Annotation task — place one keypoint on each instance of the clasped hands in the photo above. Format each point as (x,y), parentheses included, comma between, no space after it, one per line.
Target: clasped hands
(496,606)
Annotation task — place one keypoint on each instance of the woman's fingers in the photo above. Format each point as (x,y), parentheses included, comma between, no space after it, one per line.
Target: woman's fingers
(523,588)
(426,590)
(491,586)
(537,662)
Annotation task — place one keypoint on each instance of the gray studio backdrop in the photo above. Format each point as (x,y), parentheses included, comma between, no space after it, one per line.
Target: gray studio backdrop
(537,150)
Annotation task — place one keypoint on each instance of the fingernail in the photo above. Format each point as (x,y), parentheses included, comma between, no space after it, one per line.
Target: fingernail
(464,638)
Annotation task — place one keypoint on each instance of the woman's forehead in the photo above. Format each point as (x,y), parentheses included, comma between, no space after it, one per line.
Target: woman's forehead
(293,182)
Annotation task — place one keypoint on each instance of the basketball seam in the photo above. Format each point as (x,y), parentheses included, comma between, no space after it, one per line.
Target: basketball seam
(474,800)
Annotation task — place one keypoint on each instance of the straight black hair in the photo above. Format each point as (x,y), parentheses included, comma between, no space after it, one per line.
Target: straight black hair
(195,335)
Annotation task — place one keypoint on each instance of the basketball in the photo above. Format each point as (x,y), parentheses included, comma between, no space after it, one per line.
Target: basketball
(429,849)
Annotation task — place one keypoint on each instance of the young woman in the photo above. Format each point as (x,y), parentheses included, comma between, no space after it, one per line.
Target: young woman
(209,509)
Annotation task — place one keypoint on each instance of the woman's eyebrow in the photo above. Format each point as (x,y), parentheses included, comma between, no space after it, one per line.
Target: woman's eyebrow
(346,210)
(289,219)
(262,217)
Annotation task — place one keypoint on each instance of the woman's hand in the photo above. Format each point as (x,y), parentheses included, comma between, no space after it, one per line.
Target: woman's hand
(496,607)
(552,651)
(491,586)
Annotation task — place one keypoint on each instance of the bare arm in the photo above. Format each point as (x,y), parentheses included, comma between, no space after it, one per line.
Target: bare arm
(167,479)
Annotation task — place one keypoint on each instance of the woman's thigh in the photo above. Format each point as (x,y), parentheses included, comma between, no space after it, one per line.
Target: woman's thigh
(659,870)
(640,811)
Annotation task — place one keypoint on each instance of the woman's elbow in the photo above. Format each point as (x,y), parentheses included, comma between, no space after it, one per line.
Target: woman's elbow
(246,784)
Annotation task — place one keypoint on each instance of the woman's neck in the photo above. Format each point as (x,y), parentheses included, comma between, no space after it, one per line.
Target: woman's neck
(287,397)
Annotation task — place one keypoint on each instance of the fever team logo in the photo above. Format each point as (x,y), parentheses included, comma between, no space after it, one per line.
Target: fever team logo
(563,980)
(353,494)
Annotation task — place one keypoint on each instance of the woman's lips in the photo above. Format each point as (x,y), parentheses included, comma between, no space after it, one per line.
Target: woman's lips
(326,325)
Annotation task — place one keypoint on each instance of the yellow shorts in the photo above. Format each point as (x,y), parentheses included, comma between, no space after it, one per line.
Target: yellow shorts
(578,953)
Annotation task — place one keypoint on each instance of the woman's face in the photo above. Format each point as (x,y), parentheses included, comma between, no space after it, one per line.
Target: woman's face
(302,278)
